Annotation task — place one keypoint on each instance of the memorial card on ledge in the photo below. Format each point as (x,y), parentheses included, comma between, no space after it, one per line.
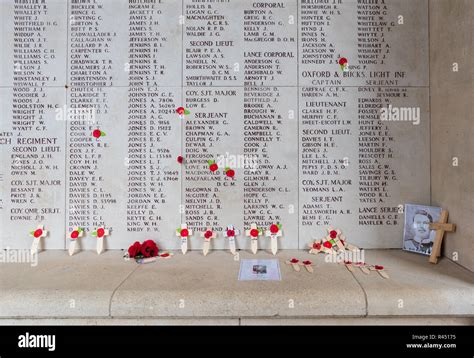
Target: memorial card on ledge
(259,270)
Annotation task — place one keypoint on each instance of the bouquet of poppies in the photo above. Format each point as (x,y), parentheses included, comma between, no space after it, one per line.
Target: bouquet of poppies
(144,250)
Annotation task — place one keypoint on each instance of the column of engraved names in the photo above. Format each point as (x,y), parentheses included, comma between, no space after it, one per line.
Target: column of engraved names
(95,65)
(270,116)
(212,60)
(376,172)
(153,129)
(326,127)
(32,126)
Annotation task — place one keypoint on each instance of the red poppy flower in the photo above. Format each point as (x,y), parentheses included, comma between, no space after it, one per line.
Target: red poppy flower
(149,249)
(254,232)
(333,234)
(96,133)
(317,246)
(38,233)
(208,234)
(327,244)
(342,61)
(74,234)
(180,110)
(213,167)
(134,250)
(230,173)
(230,233)
(294,261)
(378,267)
(180,159)
(274,228)
(307,262)
(100,232)
(184,233)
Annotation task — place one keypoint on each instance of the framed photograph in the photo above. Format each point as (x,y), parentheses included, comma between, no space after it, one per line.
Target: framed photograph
(417,236)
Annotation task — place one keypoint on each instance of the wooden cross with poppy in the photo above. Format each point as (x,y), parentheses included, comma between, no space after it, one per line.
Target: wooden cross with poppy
(294,263)
(183,232)
(37,234)
(207,235)
(334,237)
(380,269)
(254,232)
(315,247)
(231,232)
(100,234)
(348,265)
(274,232)
(75,234)
(308,265)
(362,266)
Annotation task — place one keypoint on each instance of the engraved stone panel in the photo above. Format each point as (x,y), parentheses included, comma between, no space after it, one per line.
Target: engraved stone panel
(316,113)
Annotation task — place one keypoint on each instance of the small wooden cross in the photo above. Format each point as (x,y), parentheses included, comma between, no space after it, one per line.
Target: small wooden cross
(380,270)
(207,235)
(37,234)
(183,232)
(441,227)
(231,233)
(254,233)
(100,233)
(363,267)
(315,247)
(308,265)
(348,265)
(274,232)
(334,237)
(294,263)
(75,234)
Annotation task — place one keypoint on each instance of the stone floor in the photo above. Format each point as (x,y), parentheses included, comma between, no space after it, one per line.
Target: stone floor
(193,289)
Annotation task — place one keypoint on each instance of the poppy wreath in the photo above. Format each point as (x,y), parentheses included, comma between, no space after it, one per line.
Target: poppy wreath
(146,249)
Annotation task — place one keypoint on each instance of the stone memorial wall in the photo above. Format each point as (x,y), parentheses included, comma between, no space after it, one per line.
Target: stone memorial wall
(312,143)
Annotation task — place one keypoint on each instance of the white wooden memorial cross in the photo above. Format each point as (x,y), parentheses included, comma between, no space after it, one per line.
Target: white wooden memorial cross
(274,232)
(37,235)
(100,234)
(183,232)
(231,232)
(207,235)
(75,234)
(441,227)
(254,233)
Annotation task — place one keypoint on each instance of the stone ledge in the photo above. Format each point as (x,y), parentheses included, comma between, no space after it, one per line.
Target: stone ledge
(62,286)
(107,287)
(145,321)
(423,288)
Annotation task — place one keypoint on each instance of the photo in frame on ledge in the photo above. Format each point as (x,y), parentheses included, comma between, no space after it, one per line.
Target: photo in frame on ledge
(417,236)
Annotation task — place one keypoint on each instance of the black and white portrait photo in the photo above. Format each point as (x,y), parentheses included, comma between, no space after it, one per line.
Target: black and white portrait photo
(417,236)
